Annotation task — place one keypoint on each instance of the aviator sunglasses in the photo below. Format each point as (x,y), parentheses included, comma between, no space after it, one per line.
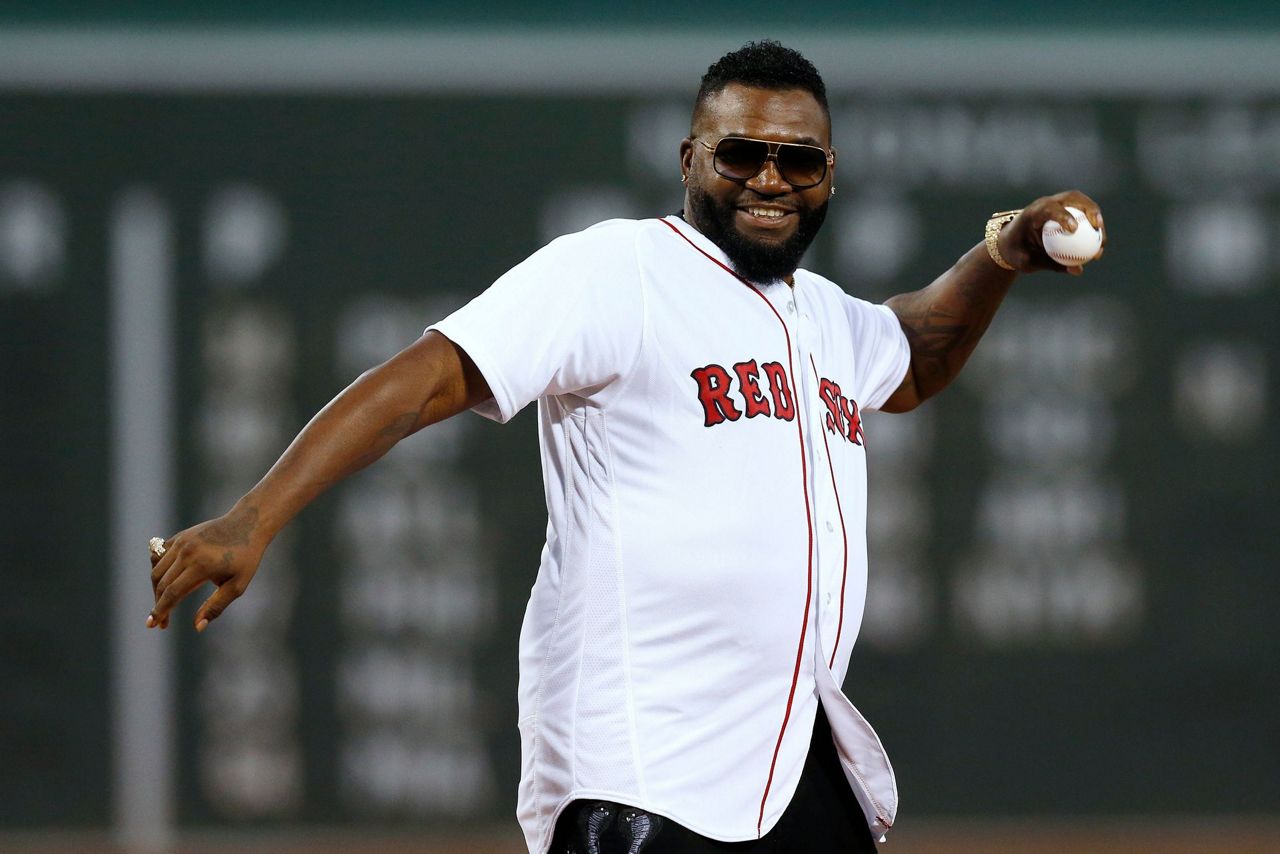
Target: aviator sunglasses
(741,158)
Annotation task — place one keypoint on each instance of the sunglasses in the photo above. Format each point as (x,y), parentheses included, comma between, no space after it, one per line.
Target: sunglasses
(740,159)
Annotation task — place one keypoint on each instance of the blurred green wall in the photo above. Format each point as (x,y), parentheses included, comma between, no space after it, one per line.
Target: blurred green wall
(977,14)
(1073,590)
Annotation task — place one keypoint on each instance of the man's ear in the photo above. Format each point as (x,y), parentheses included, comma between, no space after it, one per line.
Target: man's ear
(686,157)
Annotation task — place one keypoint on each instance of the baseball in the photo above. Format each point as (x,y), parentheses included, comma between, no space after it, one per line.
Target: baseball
(1071,249)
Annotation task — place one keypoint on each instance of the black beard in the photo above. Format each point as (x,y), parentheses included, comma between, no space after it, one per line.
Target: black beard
(753,260)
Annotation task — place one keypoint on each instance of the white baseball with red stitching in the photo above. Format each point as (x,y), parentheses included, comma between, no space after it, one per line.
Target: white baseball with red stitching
(1072,249)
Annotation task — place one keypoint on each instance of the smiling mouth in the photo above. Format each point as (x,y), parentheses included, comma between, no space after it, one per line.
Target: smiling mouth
(767,216)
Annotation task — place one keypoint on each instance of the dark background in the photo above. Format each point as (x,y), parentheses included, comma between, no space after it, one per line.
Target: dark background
(1073,578)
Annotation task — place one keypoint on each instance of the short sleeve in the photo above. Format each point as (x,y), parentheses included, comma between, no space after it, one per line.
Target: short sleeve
(882,352)
(568,319)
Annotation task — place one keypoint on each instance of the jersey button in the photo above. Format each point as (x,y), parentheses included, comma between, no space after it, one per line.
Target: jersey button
(791,308)
(830,527)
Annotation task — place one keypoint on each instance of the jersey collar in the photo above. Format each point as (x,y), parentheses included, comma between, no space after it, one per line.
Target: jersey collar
(707,245)
(699,239)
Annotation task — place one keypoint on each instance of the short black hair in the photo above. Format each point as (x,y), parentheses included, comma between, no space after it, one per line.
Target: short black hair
(764,64)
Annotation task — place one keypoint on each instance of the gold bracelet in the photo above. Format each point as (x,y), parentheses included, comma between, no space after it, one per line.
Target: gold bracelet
(994,224)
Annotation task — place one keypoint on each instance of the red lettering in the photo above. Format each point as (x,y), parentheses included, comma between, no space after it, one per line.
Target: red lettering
(783,403)
(853,419)
(830,394)
(713,392)
(748,379)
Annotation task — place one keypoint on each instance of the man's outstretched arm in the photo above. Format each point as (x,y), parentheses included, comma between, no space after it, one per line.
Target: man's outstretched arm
(428,381)
(944,322)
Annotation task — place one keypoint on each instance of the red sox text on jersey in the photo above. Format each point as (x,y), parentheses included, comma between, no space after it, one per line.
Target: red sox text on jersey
(717,391)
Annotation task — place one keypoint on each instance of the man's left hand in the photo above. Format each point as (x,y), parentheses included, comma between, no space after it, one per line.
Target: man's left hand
(1020,241)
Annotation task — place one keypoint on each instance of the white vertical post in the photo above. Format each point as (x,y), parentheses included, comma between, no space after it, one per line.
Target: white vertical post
(143,398)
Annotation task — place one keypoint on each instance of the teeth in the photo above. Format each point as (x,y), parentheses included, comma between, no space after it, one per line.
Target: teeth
(770,213)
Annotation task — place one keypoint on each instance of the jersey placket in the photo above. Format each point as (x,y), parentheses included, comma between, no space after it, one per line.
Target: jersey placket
(829,535)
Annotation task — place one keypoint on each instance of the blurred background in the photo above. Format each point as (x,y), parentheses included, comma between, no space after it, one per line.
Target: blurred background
(213,218)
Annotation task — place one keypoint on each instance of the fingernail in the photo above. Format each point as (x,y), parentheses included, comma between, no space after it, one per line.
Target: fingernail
(200,626)
(151,621)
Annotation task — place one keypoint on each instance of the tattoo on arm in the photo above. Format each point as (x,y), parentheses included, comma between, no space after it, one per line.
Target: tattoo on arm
(933,336)
(399,428)
(232,532)
(386,438)
(944,322)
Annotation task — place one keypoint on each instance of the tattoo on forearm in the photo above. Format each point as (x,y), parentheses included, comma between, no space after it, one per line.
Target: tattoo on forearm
(386,439)
(232,532)
(399,428)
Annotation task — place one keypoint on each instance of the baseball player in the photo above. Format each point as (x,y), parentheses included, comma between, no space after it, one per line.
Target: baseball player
(700,405)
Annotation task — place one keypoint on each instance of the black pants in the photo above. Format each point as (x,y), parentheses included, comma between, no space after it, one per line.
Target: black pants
(823,816)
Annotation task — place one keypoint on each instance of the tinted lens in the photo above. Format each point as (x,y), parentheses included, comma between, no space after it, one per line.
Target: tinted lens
(802,165)
(740,159)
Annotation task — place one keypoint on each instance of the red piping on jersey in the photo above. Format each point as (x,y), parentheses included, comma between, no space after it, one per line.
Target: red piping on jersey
(844,569)
(808,517)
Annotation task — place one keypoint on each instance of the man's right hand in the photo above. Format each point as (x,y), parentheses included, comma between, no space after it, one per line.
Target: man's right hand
(224,551)
(428,381)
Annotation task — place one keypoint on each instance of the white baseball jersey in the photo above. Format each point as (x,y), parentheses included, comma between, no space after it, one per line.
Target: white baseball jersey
(705,567)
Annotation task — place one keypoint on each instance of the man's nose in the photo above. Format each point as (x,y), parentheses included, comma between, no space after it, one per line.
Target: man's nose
(769,181)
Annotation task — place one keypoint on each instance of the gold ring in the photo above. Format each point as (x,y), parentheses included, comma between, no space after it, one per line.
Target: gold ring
(157,546)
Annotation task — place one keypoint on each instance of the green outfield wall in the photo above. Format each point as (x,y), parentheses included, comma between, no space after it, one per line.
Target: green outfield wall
(1073,558)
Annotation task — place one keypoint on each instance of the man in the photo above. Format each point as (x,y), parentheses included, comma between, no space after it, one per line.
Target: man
(700,405)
